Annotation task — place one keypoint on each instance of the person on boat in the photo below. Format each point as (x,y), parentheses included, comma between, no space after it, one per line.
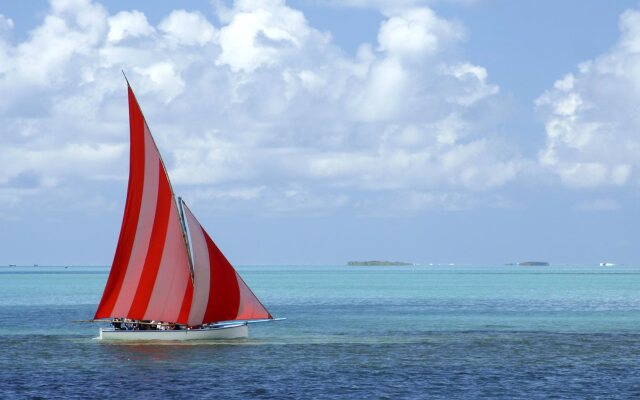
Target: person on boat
(116,323)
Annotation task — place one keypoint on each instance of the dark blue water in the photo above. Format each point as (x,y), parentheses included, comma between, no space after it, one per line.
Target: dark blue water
(415,332)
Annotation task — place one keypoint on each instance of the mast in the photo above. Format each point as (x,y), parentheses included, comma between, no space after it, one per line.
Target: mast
(185,235)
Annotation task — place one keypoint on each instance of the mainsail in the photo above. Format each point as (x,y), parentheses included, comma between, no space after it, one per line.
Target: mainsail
(151,277)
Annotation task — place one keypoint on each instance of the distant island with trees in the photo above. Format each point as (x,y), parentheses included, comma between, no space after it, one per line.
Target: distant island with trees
(376,263)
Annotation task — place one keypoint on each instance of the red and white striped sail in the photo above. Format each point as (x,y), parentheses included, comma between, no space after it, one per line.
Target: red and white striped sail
(219,293)
(150,277)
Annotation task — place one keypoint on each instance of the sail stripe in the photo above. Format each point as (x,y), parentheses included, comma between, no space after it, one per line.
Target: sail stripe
(247,303)
(183,317)
(145,227)
(250,305)
(201,270)
(224,293)
(171,282)
(156,247)
(131,213)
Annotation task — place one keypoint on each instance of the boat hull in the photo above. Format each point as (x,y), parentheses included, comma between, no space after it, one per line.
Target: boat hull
(235,331)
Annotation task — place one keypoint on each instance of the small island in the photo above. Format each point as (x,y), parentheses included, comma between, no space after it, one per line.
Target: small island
(377,263)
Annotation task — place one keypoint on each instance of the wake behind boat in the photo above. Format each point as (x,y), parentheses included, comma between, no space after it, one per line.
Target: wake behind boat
(169,280)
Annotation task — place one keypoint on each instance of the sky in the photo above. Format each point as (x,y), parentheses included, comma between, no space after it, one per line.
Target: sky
(318,132)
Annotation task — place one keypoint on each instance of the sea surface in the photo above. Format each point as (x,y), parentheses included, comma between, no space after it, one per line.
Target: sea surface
(414,332)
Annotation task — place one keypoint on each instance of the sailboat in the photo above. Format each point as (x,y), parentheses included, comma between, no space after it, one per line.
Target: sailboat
(169,280)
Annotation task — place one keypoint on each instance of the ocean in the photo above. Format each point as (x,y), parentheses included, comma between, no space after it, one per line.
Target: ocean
(410,332)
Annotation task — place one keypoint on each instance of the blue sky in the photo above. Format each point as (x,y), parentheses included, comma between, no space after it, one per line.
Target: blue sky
(322,131)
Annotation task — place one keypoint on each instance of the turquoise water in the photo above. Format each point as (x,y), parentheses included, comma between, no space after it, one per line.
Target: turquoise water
(351,332)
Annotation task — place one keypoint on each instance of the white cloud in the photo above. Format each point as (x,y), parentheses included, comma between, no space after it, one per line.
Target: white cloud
(475,86)
(74,28)
(162,79)
(262,33)
(263,101)
(384,92)
(416,33)
(591,117)
(70,161)
(6,27)
(188,28)
(6,24)
(390,5)
(377,4)
(128,24)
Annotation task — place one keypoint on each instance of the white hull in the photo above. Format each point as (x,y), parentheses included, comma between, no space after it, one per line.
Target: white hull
(234,331)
